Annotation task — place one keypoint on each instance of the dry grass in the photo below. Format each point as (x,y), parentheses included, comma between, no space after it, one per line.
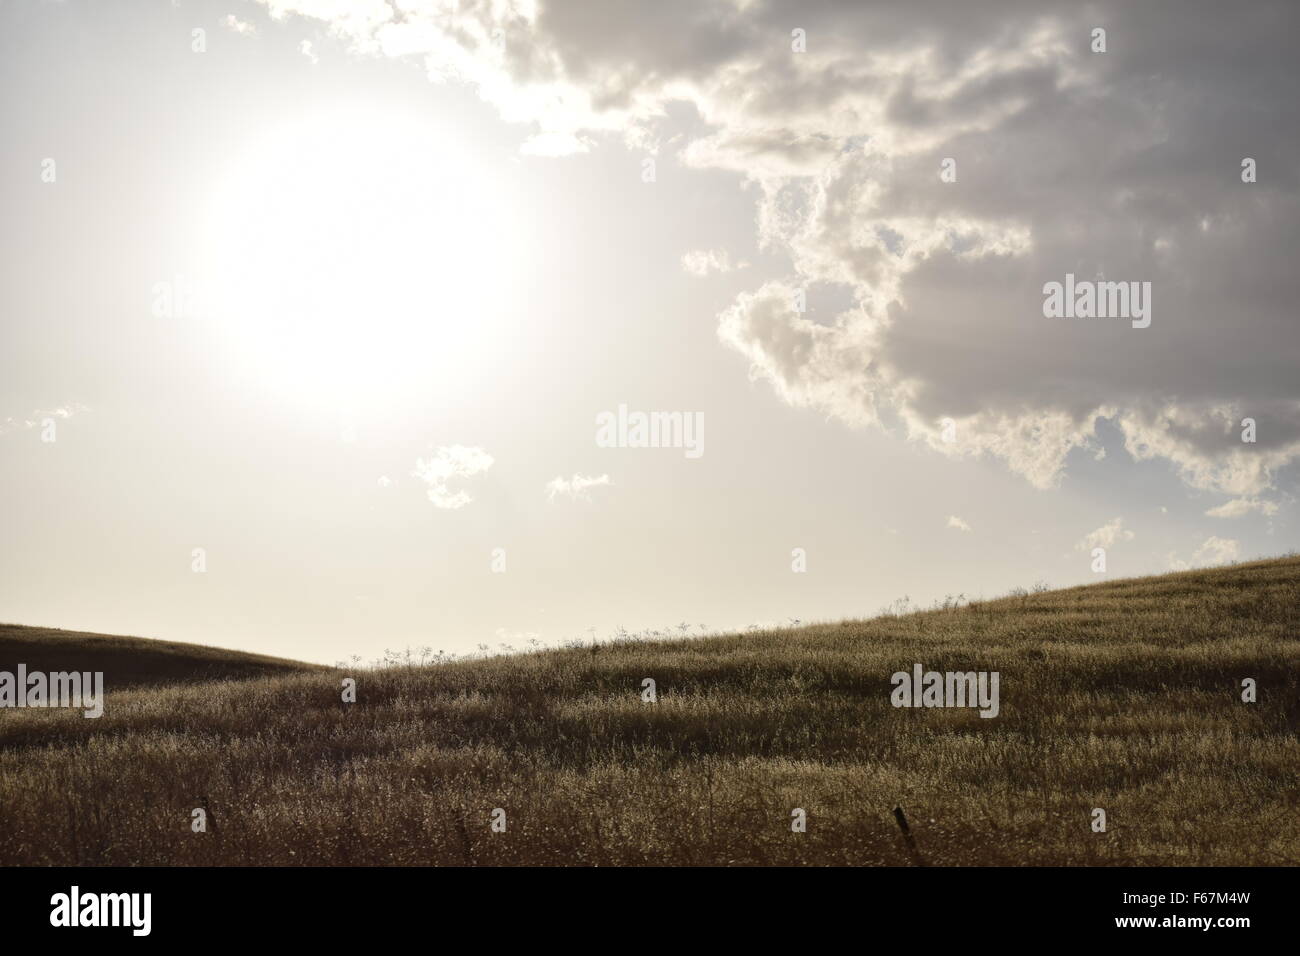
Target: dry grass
(1124,695)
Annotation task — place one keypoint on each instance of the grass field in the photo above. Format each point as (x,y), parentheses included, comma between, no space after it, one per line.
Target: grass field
(1124,696)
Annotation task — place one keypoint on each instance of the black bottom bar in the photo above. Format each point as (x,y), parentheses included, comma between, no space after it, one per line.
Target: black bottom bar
(922,906)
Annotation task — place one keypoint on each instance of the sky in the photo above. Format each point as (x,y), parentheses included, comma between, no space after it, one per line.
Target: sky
(326,327)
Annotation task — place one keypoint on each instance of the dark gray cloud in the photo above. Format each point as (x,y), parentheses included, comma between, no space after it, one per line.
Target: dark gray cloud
(1121,166)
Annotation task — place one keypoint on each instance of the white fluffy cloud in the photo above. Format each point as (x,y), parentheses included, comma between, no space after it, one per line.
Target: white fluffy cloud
(1242,506)
(39,415)
(958,523)
(1105,536)
(1216,550)
(448,462)
(704,262)
(236,25)
(576,488)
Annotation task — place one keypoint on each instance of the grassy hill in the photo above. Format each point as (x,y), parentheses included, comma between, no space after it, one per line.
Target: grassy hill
(133,661)
(1124,696)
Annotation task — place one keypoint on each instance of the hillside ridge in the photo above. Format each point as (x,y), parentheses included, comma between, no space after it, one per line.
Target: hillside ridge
(134,661)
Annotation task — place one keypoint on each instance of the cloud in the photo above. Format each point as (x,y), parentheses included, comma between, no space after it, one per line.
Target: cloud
(451,461)
(1242,506)
(1205,443)
(39,415)
(236,25)
(576,488)
(1105,536)
(704,262)
(1216,550)
(1212,551)
(305,48)
(958,523)
(1122,166)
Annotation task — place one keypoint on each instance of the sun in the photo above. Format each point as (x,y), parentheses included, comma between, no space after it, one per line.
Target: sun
(356,257)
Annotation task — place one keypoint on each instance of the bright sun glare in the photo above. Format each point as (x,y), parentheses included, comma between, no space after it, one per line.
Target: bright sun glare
(358,255)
